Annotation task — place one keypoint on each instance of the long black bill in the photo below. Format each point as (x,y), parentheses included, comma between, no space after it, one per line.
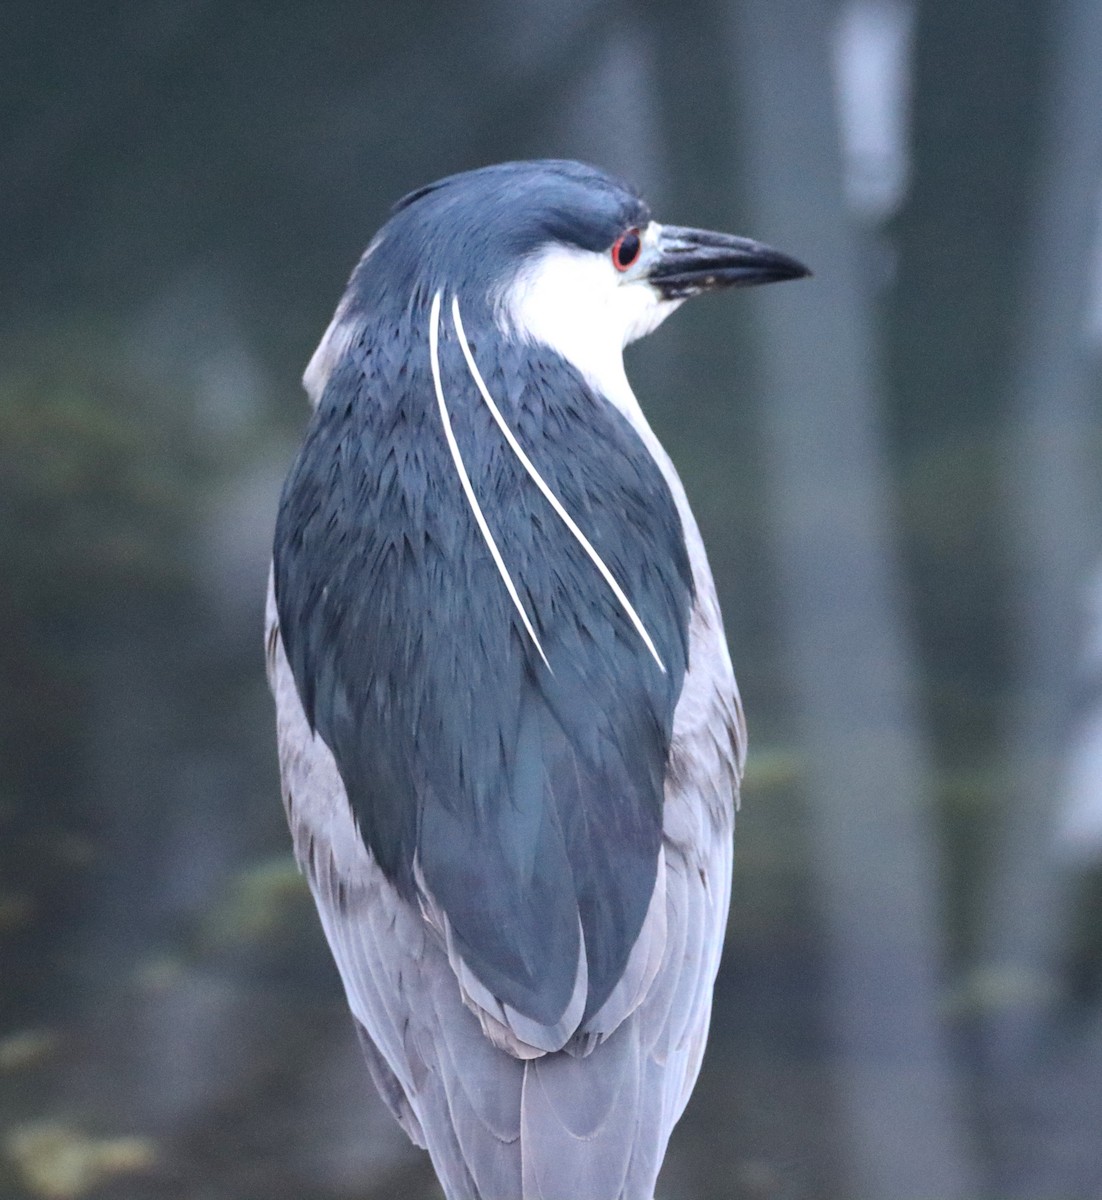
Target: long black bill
(698,260)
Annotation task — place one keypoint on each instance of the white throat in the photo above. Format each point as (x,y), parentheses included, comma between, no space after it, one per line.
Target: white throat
(575,302)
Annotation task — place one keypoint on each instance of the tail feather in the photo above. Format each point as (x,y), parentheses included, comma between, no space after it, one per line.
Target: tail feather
(481,1089)
(580,1119)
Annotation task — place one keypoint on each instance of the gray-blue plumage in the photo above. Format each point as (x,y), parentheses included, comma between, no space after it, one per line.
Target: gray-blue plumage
(493,771)
(494,217)
(510,739)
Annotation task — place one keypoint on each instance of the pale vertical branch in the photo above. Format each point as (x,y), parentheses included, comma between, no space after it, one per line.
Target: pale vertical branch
(1050,474)
(849,659)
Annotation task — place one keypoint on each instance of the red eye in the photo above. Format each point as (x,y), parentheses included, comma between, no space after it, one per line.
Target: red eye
(626,249)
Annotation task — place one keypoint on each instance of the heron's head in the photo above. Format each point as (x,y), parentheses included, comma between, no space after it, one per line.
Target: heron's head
(552,251)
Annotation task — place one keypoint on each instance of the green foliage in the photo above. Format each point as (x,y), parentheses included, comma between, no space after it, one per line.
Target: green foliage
(99,476)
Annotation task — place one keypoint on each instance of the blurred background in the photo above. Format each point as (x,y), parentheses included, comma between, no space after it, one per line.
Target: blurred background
(894,464)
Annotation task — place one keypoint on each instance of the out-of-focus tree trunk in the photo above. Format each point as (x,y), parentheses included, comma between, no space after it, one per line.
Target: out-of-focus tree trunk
(1050,477)
(849,659)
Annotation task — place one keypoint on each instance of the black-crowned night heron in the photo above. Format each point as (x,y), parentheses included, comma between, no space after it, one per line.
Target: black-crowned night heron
(509,732)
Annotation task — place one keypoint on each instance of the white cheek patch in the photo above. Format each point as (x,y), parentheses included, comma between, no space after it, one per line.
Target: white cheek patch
(575,302)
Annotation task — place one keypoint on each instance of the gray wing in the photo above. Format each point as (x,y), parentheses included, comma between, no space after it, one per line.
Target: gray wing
(592,1122)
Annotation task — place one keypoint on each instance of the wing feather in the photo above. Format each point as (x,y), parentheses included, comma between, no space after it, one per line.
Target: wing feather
(501,739)
(590,1123)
